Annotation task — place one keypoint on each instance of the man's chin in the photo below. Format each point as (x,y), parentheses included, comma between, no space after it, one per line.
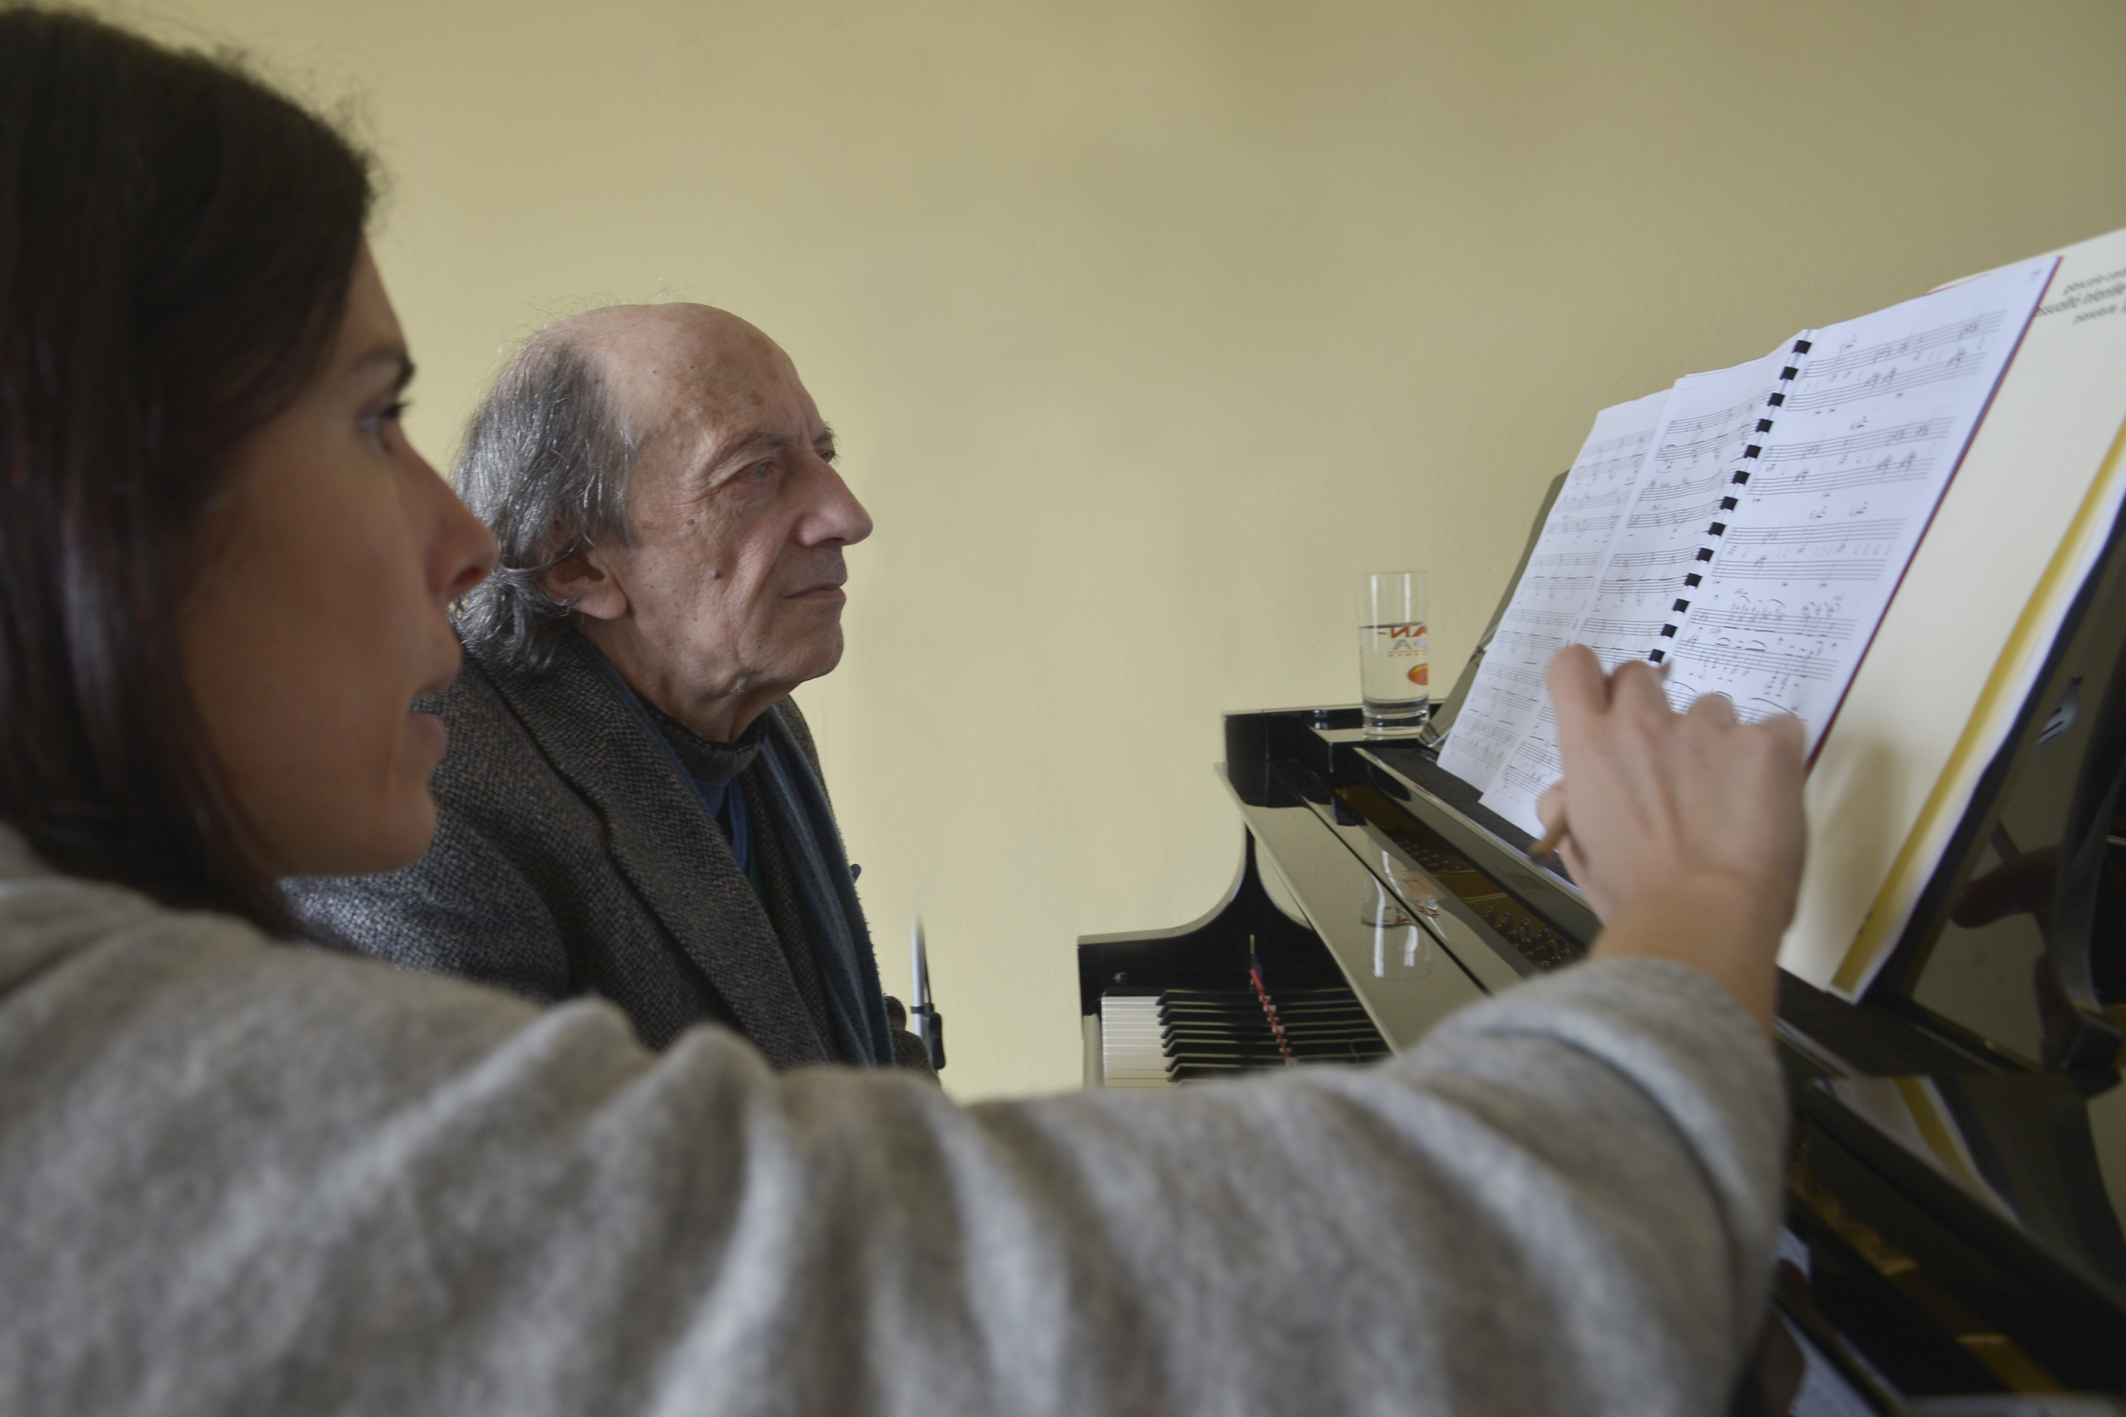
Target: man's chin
(816,660)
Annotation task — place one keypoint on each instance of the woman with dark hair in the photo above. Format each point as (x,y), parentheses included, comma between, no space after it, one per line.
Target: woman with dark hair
(239,1176)
(176,254)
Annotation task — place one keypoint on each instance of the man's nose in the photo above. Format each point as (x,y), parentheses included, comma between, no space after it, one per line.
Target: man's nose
(835,517)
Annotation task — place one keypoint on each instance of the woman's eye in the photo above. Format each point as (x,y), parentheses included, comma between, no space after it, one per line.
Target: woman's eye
(377,420)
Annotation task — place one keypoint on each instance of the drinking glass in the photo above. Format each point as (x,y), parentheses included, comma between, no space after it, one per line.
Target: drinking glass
(1394,661)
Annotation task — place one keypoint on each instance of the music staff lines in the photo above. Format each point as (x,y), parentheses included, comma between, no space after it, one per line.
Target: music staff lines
(1769,662)
(1668,556)
(1769,569)
(1774,623)
(1894,381)
(1522,640)
(1927,429)
(1720,418)
(1888,472)
(1582,503)
(1813,533)
(1581,526)
(1699,448)
(1622,465)
(1560,620)
(1610,628)
(1556,585)
(1698,511)
(1978,327)
(1521,674)
(1620,442)
(1496,735)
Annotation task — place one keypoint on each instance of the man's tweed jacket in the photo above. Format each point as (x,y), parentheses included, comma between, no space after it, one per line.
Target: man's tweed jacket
(572,857)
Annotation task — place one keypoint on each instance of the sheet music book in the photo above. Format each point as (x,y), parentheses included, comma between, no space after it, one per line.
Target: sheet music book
(1749,527)
(1964,643)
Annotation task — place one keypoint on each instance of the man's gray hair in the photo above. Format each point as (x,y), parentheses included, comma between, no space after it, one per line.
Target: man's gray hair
(545,465)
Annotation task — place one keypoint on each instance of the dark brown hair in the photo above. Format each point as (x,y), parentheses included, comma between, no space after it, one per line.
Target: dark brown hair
(176,244)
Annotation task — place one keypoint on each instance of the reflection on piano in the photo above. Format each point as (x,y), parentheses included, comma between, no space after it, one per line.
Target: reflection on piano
(1958,1175)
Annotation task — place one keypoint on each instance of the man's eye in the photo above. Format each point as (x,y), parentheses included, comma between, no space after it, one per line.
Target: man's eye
(761,471)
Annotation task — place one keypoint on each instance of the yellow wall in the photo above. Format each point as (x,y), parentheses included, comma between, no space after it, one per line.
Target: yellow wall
(1146,324)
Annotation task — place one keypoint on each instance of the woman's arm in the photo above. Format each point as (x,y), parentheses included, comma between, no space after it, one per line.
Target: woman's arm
(240,1177)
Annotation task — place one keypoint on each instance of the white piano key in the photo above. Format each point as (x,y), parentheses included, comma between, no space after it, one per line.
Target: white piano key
(1131,1049)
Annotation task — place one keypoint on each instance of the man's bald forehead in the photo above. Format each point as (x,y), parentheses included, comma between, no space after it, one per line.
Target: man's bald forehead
(629,337)
(648,355)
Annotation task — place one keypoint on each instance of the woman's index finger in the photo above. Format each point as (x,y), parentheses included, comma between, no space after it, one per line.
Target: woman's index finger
(1578,688)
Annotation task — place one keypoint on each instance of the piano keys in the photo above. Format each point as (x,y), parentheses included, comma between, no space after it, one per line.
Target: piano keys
(1958,1177)
(1197,1035)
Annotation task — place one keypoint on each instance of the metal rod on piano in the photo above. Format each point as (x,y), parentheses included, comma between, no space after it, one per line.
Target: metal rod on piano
(918,970)
(923,1018)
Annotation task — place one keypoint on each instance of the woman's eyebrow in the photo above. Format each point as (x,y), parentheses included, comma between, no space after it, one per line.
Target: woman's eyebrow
(394,357)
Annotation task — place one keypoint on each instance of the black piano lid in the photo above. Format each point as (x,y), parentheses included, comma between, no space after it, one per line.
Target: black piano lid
(2028,1149)
(2016,960)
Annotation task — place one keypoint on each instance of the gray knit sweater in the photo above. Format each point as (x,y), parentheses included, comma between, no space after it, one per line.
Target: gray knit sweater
(241,1178)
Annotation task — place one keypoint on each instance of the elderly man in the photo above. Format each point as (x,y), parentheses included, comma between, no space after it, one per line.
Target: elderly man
(631,805)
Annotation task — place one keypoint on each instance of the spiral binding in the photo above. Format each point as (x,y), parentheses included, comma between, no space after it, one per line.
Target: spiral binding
(1728,503)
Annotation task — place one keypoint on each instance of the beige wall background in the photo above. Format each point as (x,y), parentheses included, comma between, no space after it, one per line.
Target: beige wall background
(1147,325)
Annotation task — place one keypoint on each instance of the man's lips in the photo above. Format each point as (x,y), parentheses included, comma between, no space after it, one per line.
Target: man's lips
(826,590)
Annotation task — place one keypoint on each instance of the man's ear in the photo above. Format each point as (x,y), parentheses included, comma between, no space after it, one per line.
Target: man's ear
(586,585)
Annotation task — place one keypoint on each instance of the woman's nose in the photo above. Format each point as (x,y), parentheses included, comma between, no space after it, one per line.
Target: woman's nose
(462,551)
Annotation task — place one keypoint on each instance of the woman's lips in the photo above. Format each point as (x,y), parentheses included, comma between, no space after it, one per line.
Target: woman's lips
(429,730)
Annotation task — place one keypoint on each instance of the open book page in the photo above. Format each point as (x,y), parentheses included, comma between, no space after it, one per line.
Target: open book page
(1705,426)
(1966,638)
(1508,693)
(1828,503)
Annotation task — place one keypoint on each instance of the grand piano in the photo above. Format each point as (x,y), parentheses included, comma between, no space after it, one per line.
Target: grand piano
(1957,1177)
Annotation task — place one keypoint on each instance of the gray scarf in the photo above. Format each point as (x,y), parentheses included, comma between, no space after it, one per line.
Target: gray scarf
(812,847)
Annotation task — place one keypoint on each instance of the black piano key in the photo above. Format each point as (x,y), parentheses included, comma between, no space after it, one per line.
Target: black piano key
(1213,1033)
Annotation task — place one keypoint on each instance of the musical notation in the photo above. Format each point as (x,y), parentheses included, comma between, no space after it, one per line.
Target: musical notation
(1895,435)
(1678,512)
(1688,425)
(1757,657)
(1772,617)
(1509,695)
(1772,512)
(1626,631)
(1814,532)
(1871,428)
(1764,568)
(1653,553)
(1870,360)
